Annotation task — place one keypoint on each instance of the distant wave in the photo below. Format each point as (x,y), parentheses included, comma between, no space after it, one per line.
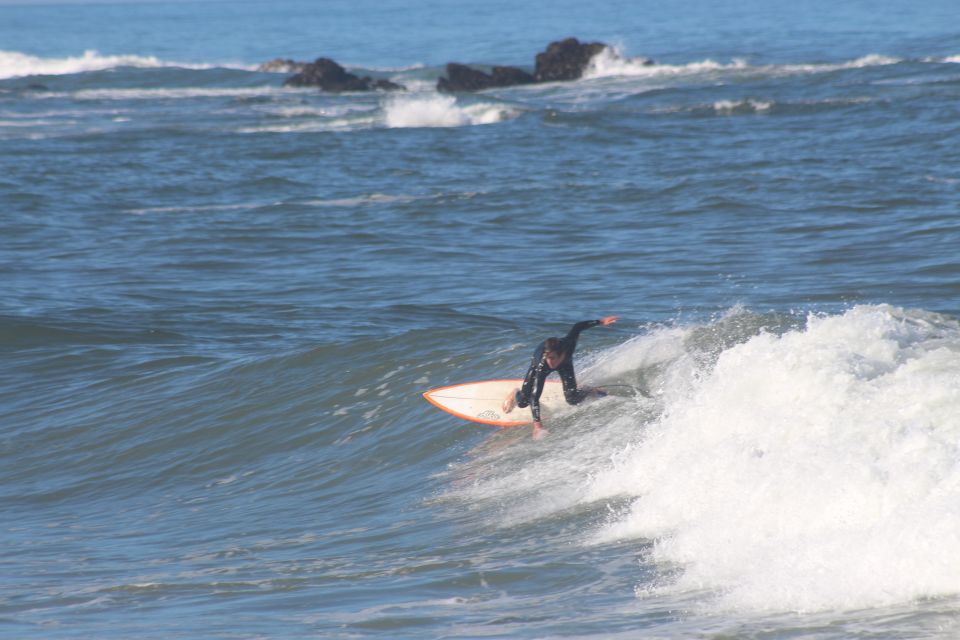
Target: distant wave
(14,64)
(748,106)
(740,106)
(165,93)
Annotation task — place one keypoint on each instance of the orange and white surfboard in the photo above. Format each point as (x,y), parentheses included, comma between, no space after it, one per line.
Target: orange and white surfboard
(482,401)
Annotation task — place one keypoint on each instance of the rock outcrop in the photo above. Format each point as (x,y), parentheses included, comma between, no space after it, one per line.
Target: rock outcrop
(460,77)
(327,75)
(562,60)
(565,60)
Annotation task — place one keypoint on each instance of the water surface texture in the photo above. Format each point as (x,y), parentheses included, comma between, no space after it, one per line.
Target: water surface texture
(222,299)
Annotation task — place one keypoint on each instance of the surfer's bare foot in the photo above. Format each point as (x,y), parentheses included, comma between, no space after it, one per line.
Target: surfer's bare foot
(539,433)
(510,401)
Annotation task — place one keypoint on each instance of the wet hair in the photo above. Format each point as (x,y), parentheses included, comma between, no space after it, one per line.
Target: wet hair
(554,345)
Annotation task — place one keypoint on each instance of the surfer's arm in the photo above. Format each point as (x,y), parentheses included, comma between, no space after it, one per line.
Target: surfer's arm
(532,387)
(574,334)
(535,392)
(540,375)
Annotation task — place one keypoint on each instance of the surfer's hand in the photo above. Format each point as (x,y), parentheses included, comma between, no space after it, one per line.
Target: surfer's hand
(538,431)
(609,320)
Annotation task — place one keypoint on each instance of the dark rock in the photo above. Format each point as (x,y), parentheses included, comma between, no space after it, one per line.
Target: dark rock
(511,77)
(460,77)
(281,65)
(330,76)
(565,60)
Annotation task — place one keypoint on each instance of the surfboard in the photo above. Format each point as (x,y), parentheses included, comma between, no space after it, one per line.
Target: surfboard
(482,401)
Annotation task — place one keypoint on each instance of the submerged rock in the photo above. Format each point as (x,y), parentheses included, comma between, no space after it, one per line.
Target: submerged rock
(327,75)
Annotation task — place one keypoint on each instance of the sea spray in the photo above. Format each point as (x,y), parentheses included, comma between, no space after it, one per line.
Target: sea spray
(435,110)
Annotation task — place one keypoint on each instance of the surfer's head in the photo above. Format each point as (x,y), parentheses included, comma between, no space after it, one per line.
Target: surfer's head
(553,352)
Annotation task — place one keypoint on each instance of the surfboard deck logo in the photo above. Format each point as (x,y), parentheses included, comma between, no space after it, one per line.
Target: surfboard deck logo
(482,401)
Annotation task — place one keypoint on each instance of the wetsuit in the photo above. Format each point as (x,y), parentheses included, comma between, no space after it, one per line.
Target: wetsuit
(532,388)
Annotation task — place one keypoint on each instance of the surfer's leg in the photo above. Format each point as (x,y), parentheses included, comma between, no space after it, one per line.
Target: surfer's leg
(571,393)
(575,396)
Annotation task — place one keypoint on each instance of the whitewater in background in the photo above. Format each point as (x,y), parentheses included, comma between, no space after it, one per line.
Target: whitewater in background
(224,297)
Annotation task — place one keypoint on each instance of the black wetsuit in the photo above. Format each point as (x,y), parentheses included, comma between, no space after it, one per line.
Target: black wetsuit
(532,388)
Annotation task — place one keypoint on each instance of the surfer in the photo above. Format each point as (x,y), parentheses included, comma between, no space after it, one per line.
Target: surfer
(553,354)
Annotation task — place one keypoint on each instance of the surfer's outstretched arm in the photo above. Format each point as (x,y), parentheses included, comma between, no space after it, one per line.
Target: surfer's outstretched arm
(569,342)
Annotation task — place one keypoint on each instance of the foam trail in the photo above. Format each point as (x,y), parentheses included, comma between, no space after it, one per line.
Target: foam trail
(818,469)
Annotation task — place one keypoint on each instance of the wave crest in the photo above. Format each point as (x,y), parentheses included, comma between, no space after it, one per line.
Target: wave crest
(14,64)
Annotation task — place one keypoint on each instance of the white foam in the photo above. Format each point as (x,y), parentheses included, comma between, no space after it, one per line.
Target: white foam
(812,471)
(14,64)
(436,110)
(728,107)
(612,62)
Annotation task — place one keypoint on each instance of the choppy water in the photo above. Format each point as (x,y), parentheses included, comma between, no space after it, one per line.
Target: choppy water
(223,298)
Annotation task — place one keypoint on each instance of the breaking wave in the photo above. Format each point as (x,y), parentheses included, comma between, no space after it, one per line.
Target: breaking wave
(802,464)
(435,110)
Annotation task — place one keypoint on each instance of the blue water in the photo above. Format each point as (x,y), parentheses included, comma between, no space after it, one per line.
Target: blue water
(222,299)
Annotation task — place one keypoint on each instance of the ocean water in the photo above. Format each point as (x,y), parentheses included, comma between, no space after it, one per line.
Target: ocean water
(223,298)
